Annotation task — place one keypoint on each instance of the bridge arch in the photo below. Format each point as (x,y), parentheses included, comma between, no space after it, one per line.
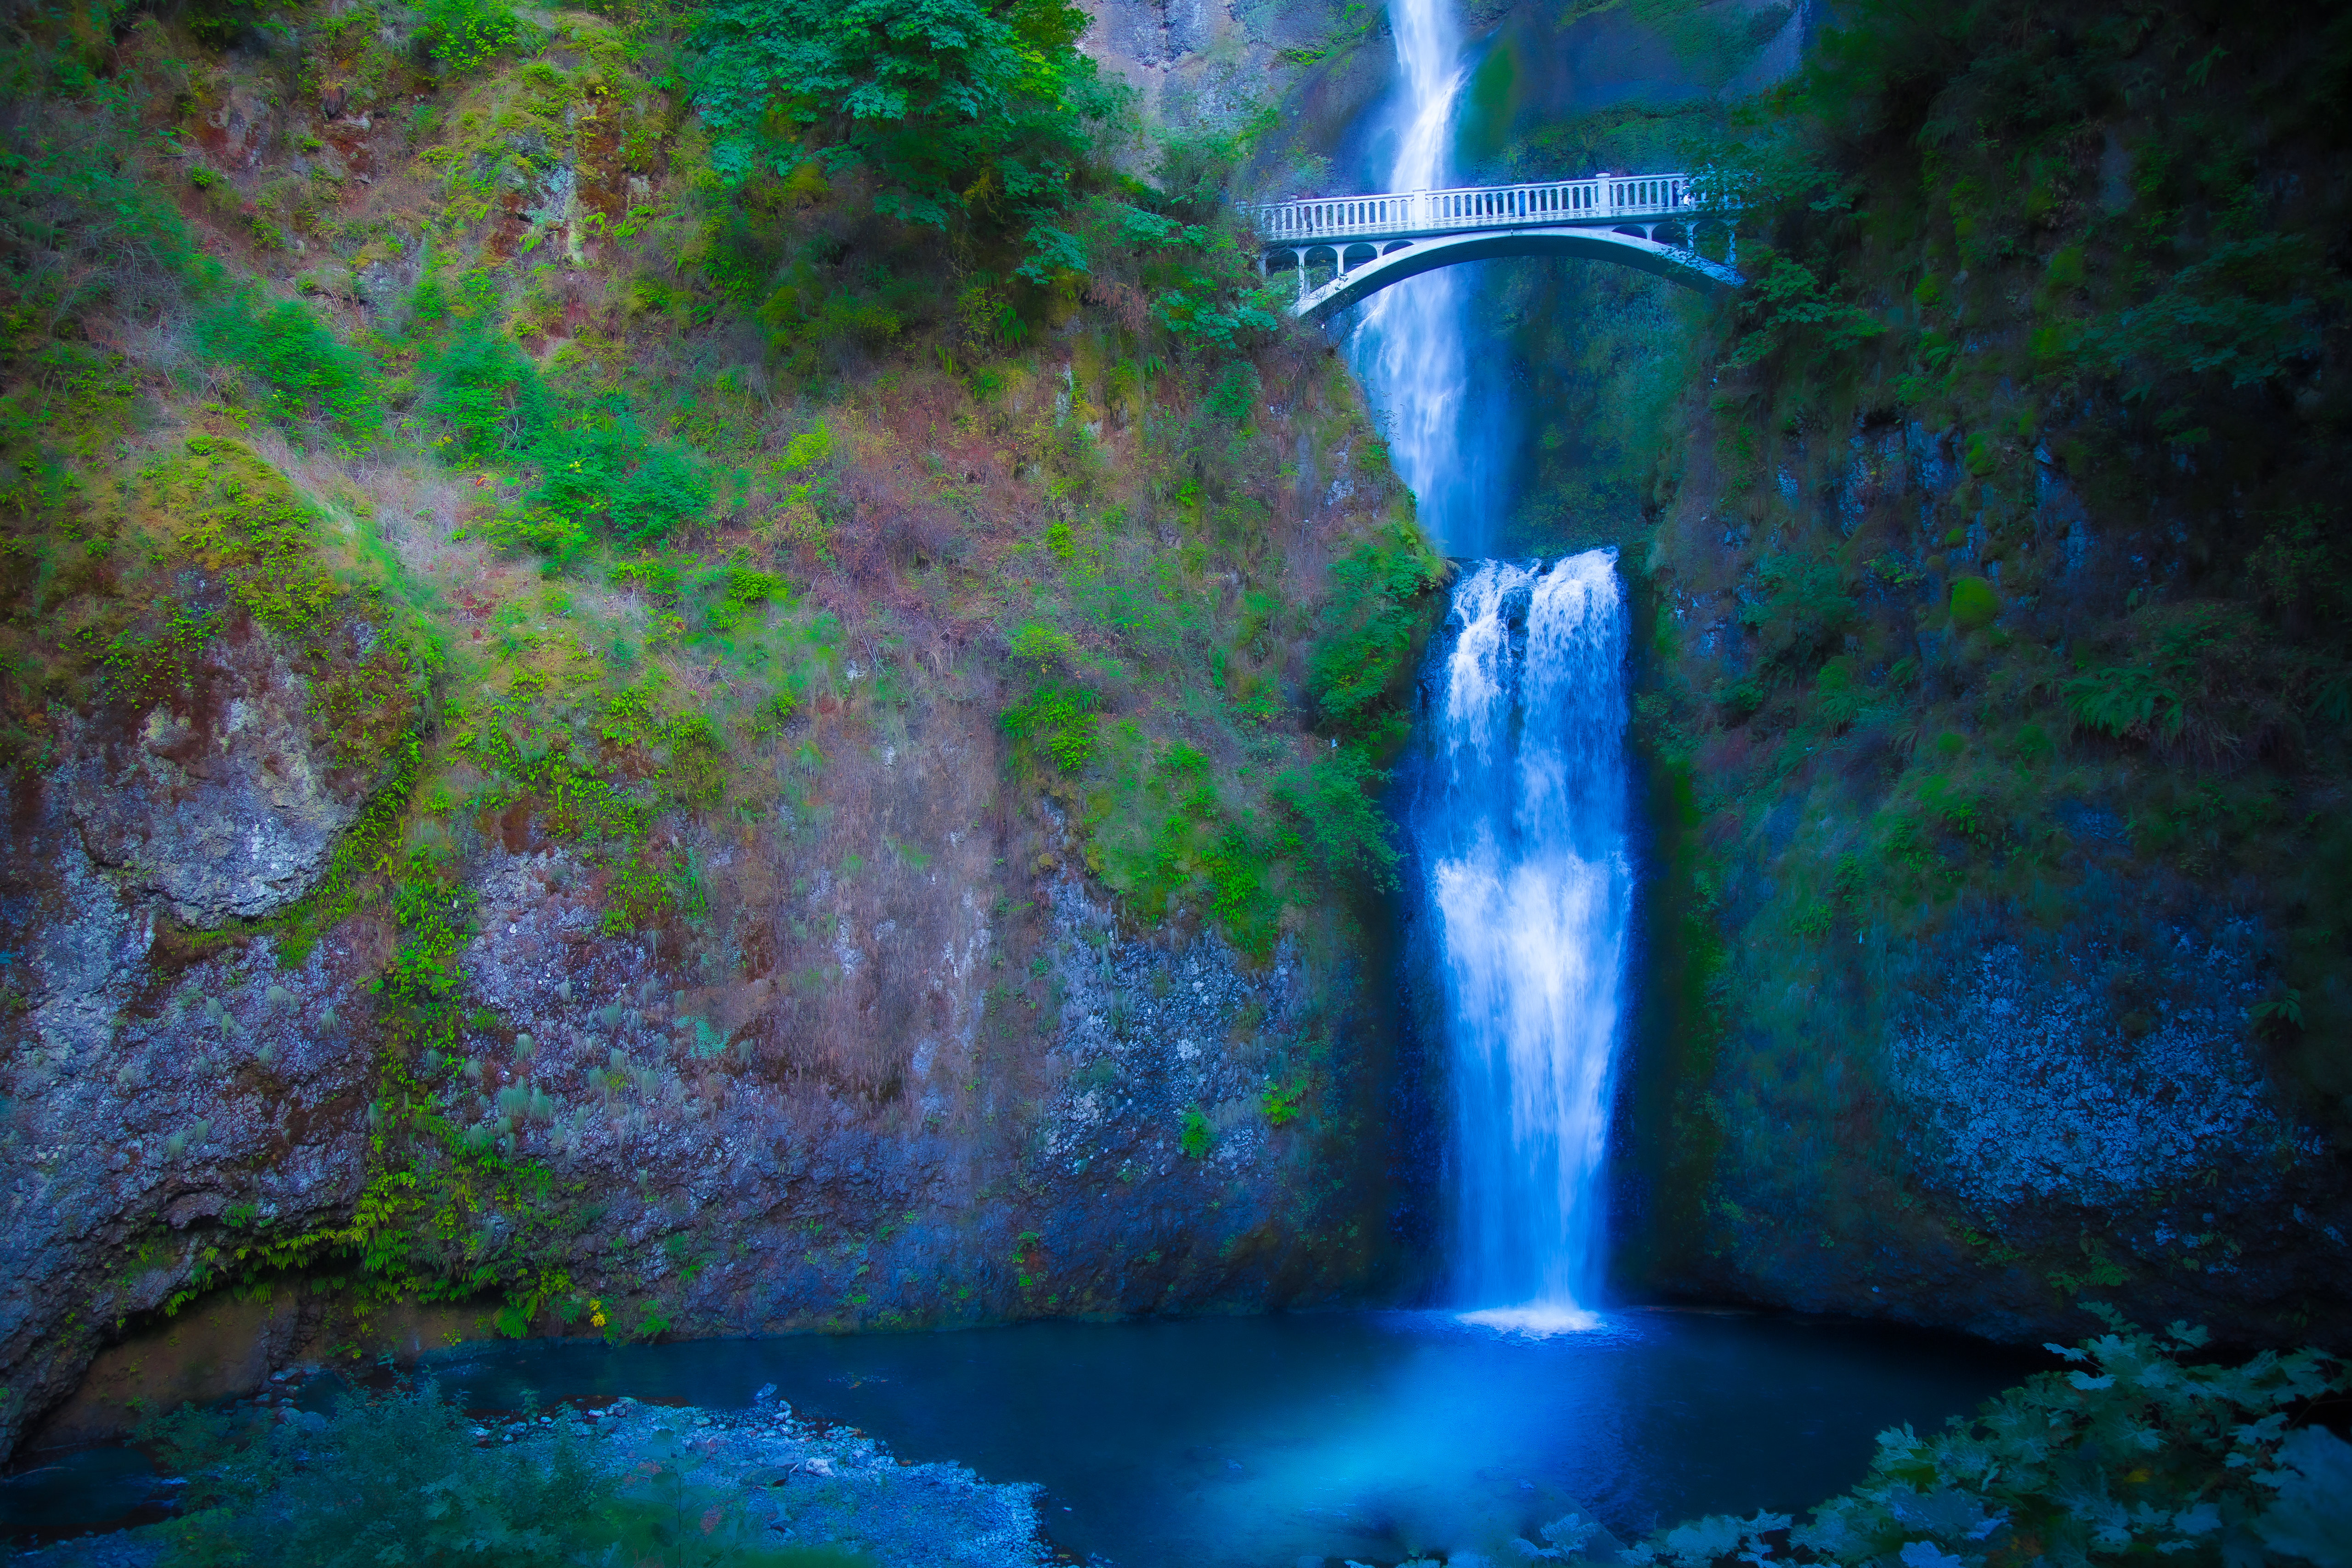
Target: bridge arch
(1627,245)
(1653,222)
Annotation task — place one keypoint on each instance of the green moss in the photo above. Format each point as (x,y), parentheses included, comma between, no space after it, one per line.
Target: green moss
(1975,605)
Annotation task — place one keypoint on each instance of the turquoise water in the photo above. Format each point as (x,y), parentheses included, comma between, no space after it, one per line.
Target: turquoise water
(1267,1441)
(1262,1441)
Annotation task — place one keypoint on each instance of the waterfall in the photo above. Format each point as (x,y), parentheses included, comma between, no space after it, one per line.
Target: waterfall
(1518,820)
(1408,347)
(1518,827)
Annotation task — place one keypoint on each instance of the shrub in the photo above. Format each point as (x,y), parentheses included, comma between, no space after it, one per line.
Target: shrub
(1041,644)
(1235,393)
(397,1477)
(488,397)
(1197,1134)
(1368,622)
(1335,807)
(304,373)
(2123,702)
(1054,724)
(463,34)
(1802,616)
(2130,1455)
(961,111)
(603,472)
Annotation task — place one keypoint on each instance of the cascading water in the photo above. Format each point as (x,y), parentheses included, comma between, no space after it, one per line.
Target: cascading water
(1408,347)
(1517,821)
(1519,830)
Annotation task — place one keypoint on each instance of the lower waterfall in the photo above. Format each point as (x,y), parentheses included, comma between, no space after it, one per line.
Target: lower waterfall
(1518,828)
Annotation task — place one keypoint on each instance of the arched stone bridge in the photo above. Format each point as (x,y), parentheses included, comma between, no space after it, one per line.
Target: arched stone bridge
(1650,221)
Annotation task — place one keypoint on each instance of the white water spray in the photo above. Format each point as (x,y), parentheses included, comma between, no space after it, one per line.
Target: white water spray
(1518,821)
(1408,347)
(1521,828)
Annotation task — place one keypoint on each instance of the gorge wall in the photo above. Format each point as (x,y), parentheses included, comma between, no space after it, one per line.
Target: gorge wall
(633,755)
(1991,658)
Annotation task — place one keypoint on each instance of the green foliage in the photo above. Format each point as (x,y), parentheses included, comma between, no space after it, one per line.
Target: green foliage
(2200,676)
(302,372)
(398,1477)
(1782,300)
(1054,724)
(1333,806)
(1041,644)
(486,396)
(962,111)
(81,229)
(807,450)
(2246,313)
(2134,1453)
(1369,625)
(2123,702)
(239,515)
(1280,1104)
(1235,393)
(1196,1135)
(431,909)
(1802,614)
(1974,603)
(597,473)
(463,34)
(1183,839)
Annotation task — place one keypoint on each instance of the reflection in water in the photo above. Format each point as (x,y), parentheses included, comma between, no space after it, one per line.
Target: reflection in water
(1252,1441)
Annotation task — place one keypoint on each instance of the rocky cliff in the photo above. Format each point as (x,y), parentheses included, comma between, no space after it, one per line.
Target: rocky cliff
(637,757)
(1991,653)
(1991,683)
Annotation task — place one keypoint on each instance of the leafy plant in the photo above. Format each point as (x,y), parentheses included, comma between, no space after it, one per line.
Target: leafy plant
(461,34)
(1196,1135)
(1369,620)
(486,396)
(398,1477)
(2132,1453)
(962,111)
(1334,808)
(1802,614)
(303,372)
(1053,723)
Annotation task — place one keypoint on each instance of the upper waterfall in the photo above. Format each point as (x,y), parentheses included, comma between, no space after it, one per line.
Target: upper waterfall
(1408,349)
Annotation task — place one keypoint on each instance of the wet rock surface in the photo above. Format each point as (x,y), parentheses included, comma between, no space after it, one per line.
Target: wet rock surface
(789,1483)
(224,803)
(923,1130)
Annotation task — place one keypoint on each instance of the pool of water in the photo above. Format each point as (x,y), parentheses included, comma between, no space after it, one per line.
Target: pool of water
(1264,1441)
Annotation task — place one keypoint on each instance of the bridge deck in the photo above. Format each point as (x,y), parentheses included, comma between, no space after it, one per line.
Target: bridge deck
(1602,199)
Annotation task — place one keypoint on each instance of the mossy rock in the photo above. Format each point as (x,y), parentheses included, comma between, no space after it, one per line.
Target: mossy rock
(1974,603)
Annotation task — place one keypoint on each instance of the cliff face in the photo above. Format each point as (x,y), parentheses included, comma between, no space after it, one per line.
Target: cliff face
(1989,645)
(575,755)
(1996,956)
(1975,1101)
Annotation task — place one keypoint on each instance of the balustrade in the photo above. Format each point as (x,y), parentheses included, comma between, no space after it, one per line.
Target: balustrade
(1603,198)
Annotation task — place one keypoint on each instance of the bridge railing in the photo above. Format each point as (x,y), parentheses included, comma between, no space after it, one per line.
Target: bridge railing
(1477,207)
